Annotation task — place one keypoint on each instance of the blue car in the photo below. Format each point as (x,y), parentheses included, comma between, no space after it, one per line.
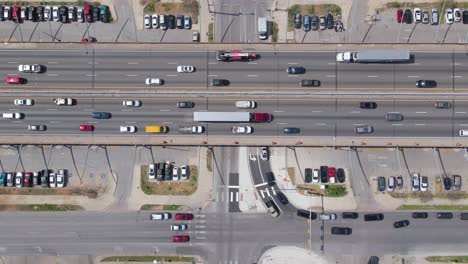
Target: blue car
(306,23)
(101,115)
(295,70)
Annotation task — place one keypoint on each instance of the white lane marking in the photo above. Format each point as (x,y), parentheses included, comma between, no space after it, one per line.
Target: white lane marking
(237,196)
(233,187)
(330,76)
(52,74)
(278,111)
(52,109)
(358,124)
(130,122)
(463,124)
(413,76)
(317,111)
(127,110)
(172,63)
(212,63)
(273,191)
(268,192)
(457,64)
(93,62)
(133,63)
(421,112)
(372,76)
(321,124)
(200,226)
(171,75)
(290,75)
(252,75)
(14,109)
(419,124)
(131,75)
(90,75)
(281,123)
(293,63)
(52,62)
(457,76)
(355,112)
(261,193)
(164,110)
(13,62)
(212,75)
(90,109)
(167,122)
(93,122)
(261,184)
(222,197)
(331,63)
(460,112)
(397,124)
(231,196)
(55,122)
(252,63)
(200,237)
(12,74)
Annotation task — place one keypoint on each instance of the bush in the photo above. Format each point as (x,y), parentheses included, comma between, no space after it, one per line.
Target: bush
(335,190)
(311,10)
(191,6)
(274,32)
(210,39)
(291,12)
(394,5)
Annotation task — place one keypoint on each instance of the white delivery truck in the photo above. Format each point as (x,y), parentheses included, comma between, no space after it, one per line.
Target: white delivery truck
(374,56)
(262,28)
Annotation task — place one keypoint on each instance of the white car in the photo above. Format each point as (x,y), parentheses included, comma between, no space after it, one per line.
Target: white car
(183,172)
(30,68)
(127,129)
(152,171)
(154,81)
(179,227)
(60,180)
(132,103)
(241,130)
(19,179)
(175,173)
(187,22)
(423,183)
(47,13)
(415,182)
(63,101)
(6,13)
(37,127)
(265,154)
(147,21)
(52,183)
(185,68)
(155,21)
(160,216)
(79,15)
(71,13)
(326,217)
(23,13)
(315,175)
(449,16)
(417,15)
(23,102)
(457,15)
(55,14)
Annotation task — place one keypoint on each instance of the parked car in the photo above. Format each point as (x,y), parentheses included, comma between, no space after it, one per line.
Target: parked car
(10,179)
(72,13)
(340,175)
(391,184)
(184,172)
(19,180)
(417,15)
(152,171)
(179,227)
(297,21)
(434,17)
(444,215)
(184,216)
(449,16)
(147,21)
(265,154)
(457,182)
(400,224)
(315,176)
(105,14)
(314,23)
(447,182)
(322,23)
(331,175)
(415,182)
(96,13)
(324,174)
(160,216)
(341,231)
(465,16)
(349,215)
(27,181)
(330,22)
(306,23)
(399,15)
(175,173)
(408,16)
(170,21)
(381,184)
(423,183)
(419,215)
(457,15)
(180,239)
(425,17)
(373,217)
(399,182)
(187,22)
(52,182)
(306,214)
(308,175)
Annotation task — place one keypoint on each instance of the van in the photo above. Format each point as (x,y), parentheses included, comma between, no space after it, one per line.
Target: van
(12,115)
(162,22)
(156,129)
(463,132)
(245,104)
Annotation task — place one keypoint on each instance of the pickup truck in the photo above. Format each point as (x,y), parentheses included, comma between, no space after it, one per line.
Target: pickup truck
(63,101)
(272,208)
(192,130)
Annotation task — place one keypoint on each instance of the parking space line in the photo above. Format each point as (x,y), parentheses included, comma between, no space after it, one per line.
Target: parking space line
(212,75)
(171,75)
(278,111)
(372,76)
(52,74)
(233,187)
(167,122)
(292,75)
(164,110)
(237,196)
(231,196)
(281,123)
(358,124)
(397,124)
(457,76)
(293,63)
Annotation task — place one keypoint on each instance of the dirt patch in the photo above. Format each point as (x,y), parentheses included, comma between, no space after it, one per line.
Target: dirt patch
(149,259)
(310,189)
(187,7)
(41,207)
(82,191)
(317,10)
(427,5)
(292,175)
(209,160)
(447,207)
(169,187)
(427,196)
(167,207)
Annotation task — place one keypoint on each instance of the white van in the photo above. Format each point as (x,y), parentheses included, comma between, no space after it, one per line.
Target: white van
(162,22)
(245,104)
(463,133)
(12,115)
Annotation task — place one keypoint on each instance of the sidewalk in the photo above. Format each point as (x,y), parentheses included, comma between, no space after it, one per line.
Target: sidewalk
(249,201)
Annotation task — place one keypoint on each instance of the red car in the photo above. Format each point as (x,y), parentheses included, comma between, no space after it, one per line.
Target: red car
(27,179)
(183,216)
(87,12)
(331,174)
(86,127)
(15,14)
(13,80)
(180,239)
(399,15)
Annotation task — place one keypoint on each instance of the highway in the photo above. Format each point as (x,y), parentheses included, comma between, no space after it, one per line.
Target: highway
(125,69)
(245,235)
(315,117)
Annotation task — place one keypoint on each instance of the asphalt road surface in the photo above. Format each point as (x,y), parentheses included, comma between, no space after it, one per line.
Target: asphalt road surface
(117,70)
(76,233)
(315,117)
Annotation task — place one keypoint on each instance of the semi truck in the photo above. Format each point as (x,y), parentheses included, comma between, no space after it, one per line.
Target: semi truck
(235,55)
(239,117)
(262,28)
(374,56)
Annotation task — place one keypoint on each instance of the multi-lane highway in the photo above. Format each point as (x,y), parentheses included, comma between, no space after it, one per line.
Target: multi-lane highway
(124,69)
(315,117)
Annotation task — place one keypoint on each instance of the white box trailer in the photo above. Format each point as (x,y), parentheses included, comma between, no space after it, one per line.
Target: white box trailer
(374,56)
(221,117)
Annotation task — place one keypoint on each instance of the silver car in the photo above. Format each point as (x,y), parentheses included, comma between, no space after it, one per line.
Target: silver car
(394,117)
(322,23)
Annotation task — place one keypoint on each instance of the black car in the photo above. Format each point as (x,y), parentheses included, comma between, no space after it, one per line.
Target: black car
(330,22)
(63,14)
(341,231)
(2,18)
(291,130)
(270,179)
(349,215)
(44,176)
(170,21)
(306,214)
(381,185)
(447,183)
(314,23)
(373,217)
(32,14)
(419,215)
(400,224)
(340,175)
(444,215)
(310,83)
(408,16)
(323,174)
(368,105)
(167,172)
(282,198)
(308,175)
(185,104)
(443,105)
(295,70)
(96,13)
(426,84)
(297,21)
(219,82)
(465,17)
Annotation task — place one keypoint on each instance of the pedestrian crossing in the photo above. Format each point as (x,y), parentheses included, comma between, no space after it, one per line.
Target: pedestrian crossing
(266,192)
